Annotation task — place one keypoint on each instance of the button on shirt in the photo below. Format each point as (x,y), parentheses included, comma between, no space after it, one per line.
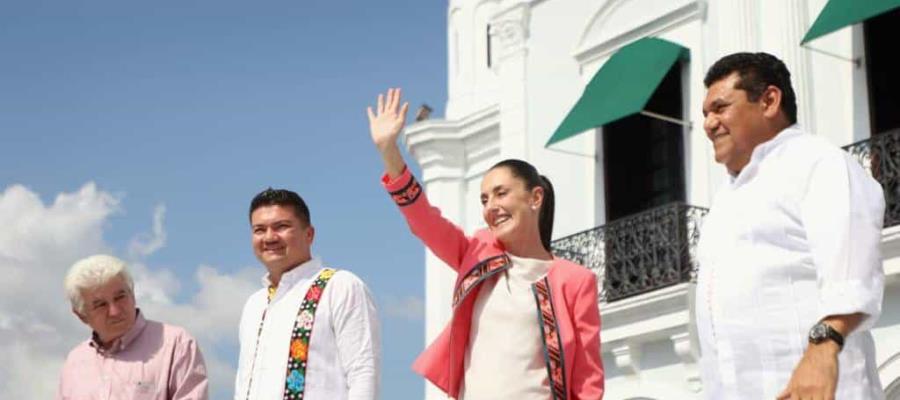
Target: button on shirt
(345,344)
(152,361)
(793,238)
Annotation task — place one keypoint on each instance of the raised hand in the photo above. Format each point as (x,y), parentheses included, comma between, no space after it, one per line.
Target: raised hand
(386,122)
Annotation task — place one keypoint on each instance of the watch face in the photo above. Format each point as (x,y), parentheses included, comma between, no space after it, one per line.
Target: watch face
(818,333)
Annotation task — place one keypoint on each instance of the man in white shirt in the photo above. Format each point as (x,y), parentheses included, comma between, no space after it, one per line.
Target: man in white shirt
(311,332)
(790,277)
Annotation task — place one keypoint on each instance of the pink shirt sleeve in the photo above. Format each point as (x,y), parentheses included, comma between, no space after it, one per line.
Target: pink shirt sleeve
(187,380)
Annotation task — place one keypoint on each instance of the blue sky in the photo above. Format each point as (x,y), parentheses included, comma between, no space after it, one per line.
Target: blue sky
(195,106)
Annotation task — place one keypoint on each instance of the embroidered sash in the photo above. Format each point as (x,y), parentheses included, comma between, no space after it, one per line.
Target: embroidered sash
(553,351)
(478,274)
(295,379)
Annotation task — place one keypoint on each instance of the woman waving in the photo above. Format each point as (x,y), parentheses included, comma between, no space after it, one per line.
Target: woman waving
(525,324)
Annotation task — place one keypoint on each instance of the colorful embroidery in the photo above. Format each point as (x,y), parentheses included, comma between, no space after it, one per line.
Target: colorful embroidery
(408,194)
(553,353)
(478,274)
(295,381)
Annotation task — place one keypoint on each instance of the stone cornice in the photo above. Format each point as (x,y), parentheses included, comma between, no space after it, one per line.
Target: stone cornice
(588,52)
(660,313)
(447,148)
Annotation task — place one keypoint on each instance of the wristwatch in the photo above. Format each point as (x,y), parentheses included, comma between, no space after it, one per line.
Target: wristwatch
(821,332)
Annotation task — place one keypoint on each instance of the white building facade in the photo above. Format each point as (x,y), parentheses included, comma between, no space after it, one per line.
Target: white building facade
(631,191)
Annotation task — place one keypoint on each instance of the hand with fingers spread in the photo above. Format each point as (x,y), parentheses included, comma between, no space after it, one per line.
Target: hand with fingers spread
(388,120)
(385,124)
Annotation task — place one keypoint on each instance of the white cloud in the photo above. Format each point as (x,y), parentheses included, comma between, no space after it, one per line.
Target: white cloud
(144,245)
(410,307)
(39,242)
(37,245)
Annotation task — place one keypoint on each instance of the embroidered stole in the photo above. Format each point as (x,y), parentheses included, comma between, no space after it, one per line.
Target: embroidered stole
(546,313)
(553,351)
(295,378)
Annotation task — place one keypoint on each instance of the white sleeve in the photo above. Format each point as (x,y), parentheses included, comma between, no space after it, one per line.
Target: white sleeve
(357,335)
(843,212)
(240,384)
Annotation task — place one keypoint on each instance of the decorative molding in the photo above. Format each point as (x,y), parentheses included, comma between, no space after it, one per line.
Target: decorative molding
(683,347)
(510,28)
(686,351)
(628,358)
(448,149)
(587,53)
(650,316)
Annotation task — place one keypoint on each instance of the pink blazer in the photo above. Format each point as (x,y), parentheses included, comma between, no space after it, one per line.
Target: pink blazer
(565,301)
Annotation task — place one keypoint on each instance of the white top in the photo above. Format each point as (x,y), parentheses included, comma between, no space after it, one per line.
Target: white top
(790,240)
(345,346)
(505,357)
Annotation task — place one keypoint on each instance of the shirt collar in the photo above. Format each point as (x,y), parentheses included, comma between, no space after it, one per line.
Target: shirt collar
(294,275)
(762,150)
(123,342)
(529,269)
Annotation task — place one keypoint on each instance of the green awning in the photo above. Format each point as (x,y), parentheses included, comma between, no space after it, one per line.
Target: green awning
(622,87)
(840,13)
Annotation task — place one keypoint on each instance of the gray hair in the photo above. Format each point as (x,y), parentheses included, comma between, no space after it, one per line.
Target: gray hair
(91,272)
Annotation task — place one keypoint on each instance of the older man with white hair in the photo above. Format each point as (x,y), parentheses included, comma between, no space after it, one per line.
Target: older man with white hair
(127,357)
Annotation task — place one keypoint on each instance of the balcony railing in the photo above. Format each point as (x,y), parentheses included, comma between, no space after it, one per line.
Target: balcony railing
(640,253)
(657,248)
(880,155)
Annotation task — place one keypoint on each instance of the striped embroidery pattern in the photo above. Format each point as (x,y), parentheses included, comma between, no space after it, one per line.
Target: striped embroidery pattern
(478,274)
(408,194)
(295,381)
(553,352)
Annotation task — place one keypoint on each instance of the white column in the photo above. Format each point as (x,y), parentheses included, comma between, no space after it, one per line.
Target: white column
(731,26)
(789,21)
(443,168)
(509,29)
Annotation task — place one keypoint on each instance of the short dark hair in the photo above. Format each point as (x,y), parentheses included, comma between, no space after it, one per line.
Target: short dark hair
(530,176)
(757,71)
(281,197)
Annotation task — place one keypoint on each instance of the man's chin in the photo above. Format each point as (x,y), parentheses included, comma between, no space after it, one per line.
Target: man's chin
(280,264)
(273,259)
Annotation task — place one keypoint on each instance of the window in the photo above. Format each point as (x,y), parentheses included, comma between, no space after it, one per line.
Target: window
(883,70)
(644,156)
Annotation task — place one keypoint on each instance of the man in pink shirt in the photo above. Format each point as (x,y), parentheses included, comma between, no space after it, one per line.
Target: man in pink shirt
(127,357)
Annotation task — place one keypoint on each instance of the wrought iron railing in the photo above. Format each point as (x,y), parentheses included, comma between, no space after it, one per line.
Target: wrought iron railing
(657,248)
(880,156)
(640,253)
